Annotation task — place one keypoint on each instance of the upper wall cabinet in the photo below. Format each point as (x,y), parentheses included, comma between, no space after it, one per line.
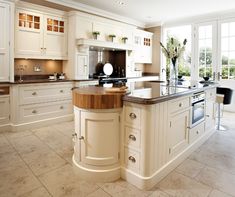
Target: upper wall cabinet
(143,46)
(4,41)
(39,35)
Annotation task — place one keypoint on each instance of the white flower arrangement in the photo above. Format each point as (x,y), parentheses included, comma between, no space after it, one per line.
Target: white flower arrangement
(174,49)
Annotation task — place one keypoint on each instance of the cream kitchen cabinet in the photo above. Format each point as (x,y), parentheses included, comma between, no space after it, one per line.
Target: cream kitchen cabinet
(210,109)
(5,110)
(142,41)
(39,35)
(4,41)
(82,67)
(38,104)
(99,138)
(179,121)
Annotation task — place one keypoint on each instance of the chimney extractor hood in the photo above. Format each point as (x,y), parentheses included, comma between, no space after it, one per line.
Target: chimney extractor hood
(103,45)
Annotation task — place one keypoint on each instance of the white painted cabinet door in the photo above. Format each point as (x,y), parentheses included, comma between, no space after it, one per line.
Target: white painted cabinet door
(143,46)
(28,34)
(4,42)
(4,110)
(100,145)
(55,37)
(82,68)
(210,114)
(178,133)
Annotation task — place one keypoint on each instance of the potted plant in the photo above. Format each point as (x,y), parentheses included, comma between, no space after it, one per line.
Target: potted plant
(95,34)
(124,39)
(112,36)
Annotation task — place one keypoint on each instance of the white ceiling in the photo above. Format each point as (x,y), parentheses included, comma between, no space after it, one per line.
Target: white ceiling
(159,11)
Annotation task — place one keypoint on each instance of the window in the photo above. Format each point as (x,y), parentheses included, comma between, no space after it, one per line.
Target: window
(205,50)
(181,32)
(228,50)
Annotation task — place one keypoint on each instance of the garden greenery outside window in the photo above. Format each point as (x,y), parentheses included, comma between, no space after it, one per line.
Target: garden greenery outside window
(228,50)
(180,33)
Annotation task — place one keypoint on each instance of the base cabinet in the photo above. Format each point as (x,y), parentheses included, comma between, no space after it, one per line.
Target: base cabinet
(100,138)
(4,110)
(178,132)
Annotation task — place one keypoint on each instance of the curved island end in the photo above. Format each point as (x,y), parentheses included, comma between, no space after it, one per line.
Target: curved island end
(97,132)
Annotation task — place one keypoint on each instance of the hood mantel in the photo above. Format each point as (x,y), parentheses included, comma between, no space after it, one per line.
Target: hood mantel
(103,45)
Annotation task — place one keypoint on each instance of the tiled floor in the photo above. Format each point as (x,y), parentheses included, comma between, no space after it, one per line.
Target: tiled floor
(38,163)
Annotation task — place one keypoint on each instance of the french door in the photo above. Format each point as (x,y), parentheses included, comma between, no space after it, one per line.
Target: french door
(206,47)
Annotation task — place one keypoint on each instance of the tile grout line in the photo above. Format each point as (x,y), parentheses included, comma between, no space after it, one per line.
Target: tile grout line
(42,185)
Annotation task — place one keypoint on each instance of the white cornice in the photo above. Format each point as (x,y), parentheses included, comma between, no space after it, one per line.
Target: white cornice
(96,11)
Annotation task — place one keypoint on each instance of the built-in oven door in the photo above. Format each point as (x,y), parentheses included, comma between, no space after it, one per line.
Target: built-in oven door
(198,112)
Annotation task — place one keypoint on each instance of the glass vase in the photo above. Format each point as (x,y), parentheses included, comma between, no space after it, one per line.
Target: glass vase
(174,71)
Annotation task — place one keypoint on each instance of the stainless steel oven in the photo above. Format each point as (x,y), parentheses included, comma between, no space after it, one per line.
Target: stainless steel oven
(198,108)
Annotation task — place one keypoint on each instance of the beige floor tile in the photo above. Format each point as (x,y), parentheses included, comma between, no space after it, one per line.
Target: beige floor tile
(65,182)
(216,193)
(99,193)
(190,168)
(176,184)
(66,128)
(159,193)
(217,179)
(220,144)
(122,188)
(37,155)
(13,135)
(58,142)
(16,178)
(39,192)
(215,160)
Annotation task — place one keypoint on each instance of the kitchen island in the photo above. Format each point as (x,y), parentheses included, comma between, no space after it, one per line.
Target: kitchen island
(147,137)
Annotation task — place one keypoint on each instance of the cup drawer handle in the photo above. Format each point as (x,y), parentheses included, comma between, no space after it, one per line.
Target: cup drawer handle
(132,116)
(132,137)
(61,107)
(34,93)
(61,91)
(132,159)
(34,111)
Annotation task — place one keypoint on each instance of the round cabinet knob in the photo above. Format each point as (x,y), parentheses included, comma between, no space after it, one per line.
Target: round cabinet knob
(197,132)
(132,159)
(61,107)
(34,111)
(132,116)
(34,93)
(180,104)
(61,91)
(132,137)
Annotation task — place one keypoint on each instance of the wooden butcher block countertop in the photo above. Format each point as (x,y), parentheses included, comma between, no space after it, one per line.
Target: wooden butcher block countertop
(96,97)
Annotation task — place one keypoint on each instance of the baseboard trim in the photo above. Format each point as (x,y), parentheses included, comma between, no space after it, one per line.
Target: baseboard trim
(97,175)
(35,124)
(148,182)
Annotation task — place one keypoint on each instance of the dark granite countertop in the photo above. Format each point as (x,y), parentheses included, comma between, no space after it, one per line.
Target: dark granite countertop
(151,92)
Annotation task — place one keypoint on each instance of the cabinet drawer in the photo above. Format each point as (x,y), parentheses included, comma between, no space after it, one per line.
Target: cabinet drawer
(44,93)
(132,116)
(179,104)
(46,110)
(196,132)
(132,159)
(132,137)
